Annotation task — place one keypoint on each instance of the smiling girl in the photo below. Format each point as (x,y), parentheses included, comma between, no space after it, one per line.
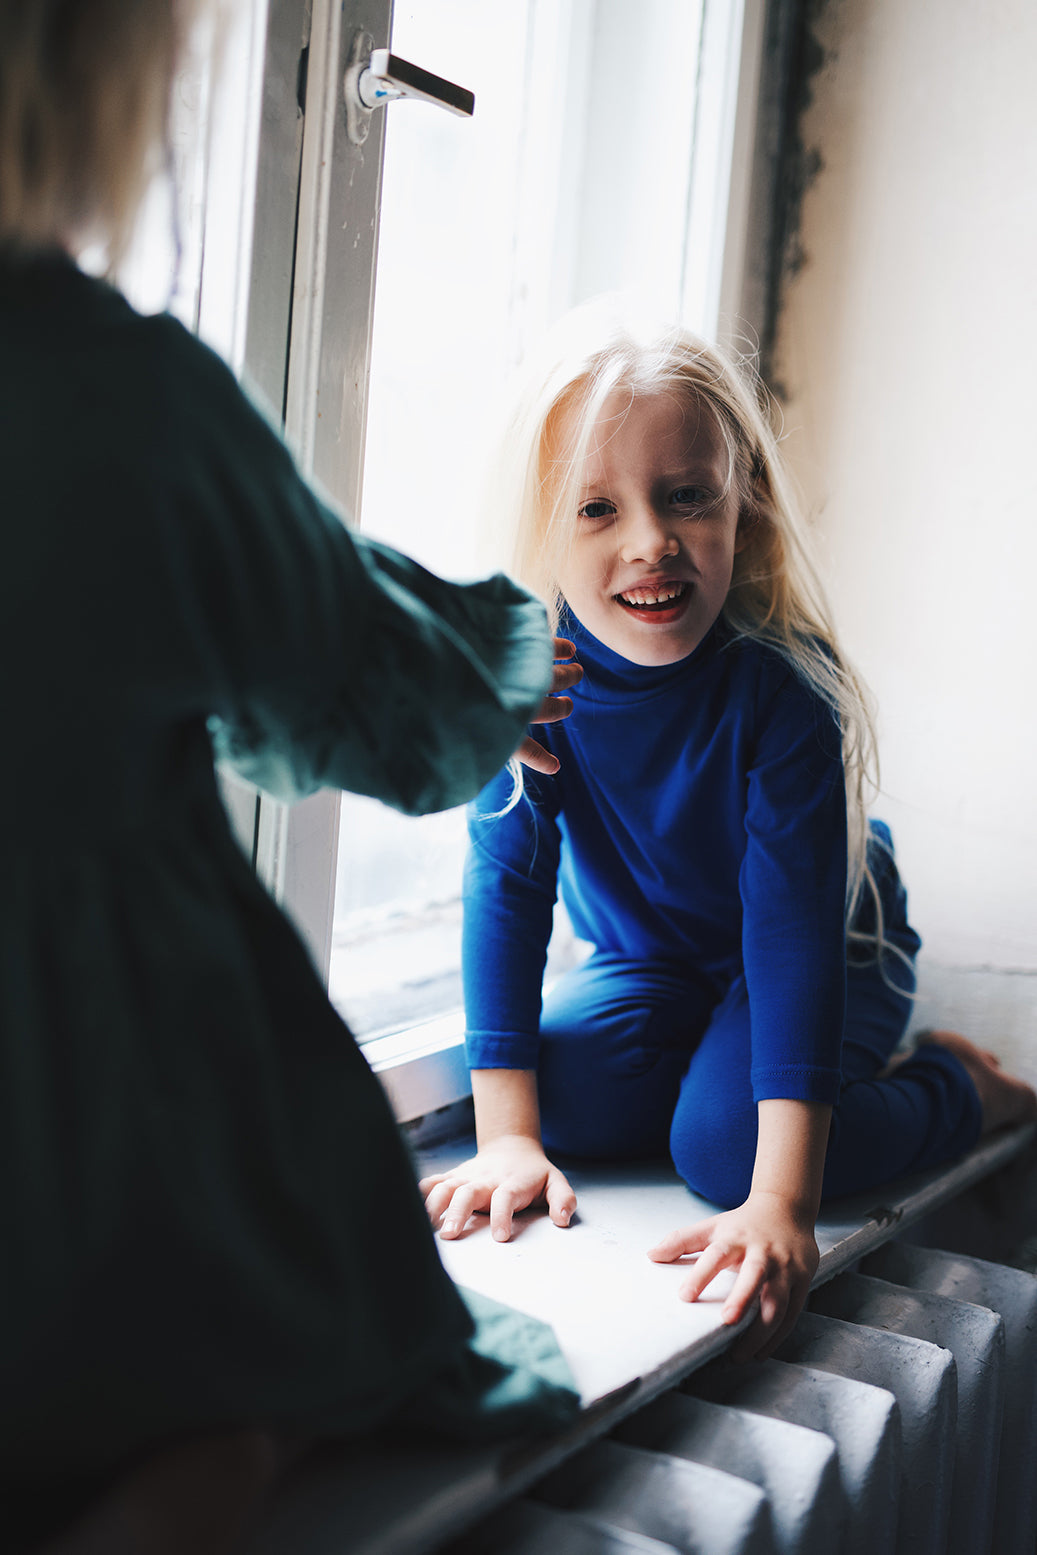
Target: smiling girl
(752,962)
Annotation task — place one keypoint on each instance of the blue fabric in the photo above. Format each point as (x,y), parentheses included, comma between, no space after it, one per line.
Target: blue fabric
(659,1042)
(634,1063)
(698,820)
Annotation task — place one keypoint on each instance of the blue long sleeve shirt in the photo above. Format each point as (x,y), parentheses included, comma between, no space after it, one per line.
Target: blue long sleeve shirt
(699,818)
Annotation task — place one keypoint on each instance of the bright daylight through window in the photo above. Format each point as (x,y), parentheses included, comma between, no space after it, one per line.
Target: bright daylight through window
(588,167)
(582,171)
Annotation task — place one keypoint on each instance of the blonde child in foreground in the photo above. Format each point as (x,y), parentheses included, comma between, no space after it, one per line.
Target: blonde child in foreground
(191,1289)
(752,963)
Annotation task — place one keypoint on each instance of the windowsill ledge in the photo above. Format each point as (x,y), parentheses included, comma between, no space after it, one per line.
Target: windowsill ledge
(423,1067)
(617,1319)
(614,1312)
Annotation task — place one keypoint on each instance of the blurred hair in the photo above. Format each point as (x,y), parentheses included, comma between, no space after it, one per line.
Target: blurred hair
(84,101)
(598,352)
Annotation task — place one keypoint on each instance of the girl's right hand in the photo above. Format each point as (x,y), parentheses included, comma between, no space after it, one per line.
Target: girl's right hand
(554,707)
(507,1175)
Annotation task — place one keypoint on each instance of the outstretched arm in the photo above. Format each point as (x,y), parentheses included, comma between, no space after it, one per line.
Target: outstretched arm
(770,1237)
(510,1171)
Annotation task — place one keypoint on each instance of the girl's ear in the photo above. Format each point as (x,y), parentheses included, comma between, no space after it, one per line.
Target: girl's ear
(754,511)
(748,521)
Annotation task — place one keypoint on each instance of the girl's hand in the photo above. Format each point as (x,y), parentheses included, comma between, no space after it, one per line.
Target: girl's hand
(505,1176)
(553,708)
(778,1255)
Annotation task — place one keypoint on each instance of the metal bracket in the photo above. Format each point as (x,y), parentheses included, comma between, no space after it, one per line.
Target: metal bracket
(358,114)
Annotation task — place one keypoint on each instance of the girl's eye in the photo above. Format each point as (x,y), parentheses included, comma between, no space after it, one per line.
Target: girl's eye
(597,509)
(690,496)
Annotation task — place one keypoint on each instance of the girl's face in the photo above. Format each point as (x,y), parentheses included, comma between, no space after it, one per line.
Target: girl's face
(655,536)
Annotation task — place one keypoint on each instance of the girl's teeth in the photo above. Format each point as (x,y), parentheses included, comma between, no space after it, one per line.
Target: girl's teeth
(641,597)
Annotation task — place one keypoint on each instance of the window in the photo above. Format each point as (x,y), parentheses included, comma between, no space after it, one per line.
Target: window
(596,161)
(192,248)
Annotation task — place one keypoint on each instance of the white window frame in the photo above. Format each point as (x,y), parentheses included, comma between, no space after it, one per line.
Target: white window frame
(317,198)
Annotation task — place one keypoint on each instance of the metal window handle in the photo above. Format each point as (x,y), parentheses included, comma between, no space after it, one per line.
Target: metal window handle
(377,76)
(388,77)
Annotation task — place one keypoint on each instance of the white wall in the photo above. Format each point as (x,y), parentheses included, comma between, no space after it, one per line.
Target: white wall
(906,347)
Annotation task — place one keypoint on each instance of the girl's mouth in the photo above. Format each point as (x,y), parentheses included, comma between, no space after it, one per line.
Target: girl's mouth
(662,604)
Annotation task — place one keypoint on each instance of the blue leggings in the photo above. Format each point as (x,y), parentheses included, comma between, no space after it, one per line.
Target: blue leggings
(638,1057)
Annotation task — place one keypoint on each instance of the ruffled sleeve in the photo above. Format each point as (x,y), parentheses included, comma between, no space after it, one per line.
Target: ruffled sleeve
(328,659)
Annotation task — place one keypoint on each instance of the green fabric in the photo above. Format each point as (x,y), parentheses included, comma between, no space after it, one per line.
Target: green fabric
(511,1379)
(505,1334)
(206,1213)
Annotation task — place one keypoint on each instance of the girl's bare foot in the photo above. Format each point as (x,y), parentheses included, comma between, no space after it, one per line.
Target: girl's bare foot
(1003,1099)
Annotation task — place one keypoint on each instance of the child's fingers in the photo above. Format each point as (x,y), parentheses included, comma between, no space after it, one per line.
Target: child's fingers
(690,1239)
(751,1344)
(746,1288)
(763,1337)
(561,1200)
(718,1256)
(775,1320)
(438,1195)
(553,709)
(556,705)
(532,754)
(565,676)
(426,1185)
(564,649)
(467,1199)
(506,1200)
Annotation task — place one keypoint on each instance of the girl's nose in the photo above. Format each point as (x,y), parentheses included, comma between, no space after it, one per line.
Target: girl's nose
(644,537)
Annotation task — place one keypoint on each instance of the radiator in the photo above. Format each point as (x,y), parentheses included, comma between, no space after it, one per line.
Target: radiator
(900,1417)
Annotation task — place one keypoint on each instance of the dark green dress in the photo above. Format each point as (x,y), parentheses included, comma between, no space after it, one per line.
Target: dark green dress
(207,1214)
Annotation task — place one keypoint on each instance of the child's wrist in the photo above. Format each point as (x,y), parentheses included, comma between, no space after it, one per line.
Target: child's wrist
(802,1208)
(518,1137)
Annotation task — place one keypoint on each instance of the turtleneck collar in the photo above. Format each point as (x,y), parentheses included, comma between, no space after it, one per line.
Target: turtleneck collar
(608,677)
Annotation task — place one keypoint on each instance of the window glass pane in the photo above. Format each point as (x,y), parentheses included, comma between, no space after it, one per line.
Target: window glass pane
(191,246)
(573,177)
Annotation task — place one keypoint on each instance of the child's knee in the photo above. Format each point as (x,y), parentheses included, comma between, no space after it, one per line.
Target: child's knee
(605,1117)
(714,1155)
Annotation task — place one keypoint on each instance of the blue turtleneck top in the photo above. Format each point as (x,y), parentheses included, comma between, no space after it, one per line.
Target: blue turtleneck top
(699,818)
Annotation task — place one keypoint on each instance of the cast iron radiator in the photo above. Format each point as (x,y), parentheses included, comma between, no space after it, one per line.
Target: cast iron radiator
(900,1417)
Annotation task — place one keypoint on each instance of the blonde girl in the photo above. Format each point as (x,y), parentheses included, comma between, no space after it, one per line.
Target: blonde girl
(203,1197)
(751,968)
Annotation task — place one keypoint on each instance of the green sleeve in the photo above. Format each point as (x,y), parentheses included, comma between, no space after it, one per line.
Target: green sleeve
(331,660)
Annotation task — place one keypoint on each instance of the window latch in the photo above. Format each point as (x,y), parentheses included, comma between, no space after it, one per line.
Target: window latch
(377,76)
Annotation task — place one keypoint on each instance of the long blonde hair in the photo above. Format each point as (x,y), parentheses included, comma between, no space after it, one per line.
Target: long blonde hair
(776,593)
(84,96)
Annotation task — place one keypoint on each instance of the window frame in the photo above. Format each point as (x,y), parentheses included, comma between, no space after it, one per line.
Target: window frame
(302,353)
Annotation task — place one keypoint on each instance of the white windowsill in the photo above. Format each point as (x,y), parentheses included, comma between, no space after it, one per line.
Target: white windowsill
(614,1312)
(422,1068)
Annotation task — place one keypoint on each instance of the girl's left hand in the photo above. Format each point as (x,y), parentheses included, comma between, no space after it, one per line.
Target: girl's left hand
(778,1255)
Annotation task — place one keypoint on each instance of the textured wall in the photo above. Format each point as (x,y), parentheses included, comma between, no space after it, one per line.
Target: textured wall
(905,347)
